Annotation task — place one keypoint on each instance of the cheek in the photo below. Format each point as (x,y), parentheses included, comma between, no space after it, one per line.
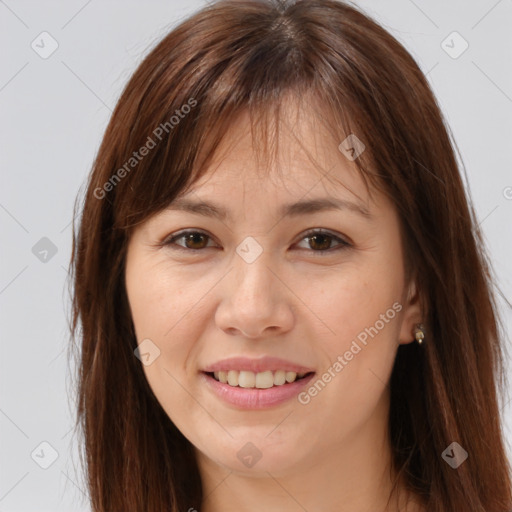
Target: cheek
(157,298)
(362,312)
(162,312)
(167,308)
(355,299)
(361,309)
(147,304)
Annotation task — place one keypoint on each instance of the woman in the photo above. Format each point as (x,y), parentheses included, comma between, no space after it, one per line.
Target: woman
(283,297)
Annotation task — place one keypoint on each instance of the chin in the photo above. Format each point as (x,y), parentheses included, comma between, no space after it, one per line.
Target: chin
(256,456)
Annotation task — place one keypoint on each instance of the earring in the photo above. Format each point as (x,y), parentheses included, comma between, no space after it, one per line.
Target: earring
(419,333)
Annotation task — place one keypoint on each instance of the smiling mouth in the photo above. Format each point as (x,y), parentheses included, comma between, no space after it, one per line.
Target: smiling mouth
(260,380)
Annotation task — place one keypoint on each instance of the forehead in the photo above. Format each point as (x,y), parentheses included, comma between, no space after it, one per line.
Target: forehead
(294,157)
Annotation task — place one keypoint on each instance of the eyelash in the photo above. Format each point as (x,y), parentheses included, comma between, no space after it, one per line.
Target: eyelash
(343,243)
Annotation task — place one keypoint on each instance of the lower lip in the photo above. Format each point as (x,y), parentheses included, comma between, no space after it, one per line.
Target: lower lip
(254,398)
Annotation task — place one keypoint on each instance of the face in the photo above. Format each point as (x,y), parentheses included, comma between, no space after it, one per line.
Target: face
(262,297)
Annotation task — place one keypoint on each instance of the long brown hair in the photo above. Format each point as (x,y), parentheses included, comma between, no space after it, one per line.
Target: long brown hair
(245,56)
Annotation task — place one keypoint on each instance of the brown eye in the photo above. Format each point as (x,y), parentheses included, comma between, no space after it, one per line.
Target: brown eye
(193,240)
(320,241)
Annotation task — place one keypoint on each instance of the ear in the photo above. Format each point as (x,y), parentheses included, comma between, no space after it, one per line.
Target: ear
(412,314)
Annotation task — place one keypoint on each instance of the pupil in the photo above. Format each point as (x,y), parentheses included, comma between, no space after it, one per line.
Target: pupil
(324,237)
(192,238)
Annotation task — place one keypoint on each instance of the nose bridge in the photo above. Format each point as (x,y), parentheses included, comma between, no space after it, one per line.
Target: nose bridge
(252,274)
(251,304)
(254,301)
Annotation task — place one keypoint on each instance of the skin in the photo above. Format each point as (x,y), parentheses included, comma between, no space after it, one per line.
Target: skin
(292,302)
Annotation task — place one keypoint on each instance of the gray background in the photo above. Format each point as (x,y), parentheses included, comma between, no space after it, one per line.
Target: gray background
(53,114)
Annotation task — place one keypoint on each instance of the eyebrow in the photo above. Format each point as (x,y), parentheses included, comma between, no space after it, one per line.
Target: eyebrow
(305,207)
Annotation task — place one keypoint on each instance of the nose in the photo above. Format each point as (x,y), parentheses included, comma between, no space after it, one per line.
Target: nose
(256,301)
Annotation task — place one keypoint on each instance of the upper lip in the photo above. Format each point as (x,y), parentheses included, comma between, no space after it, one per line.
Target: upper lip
(256,365)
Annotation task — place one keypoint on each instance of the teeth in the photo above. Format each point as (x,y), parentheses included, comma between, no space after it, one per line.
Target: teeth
(233,378)
(264,380)
(290,376)
(279,377)
(246,379)
(261,380)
